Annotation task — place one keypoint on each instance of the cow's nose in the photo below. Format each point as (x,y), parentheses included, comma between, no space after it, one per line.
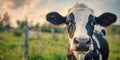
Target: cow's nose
(82,44)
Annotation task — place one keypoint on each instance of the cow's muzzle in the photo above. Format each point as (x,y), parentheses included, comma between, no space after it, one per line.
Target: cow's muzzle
(82,44)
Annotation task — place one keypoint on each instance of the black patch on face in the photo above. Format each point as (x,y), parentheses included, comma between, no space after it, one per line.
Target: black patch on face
(93,55)
(104,48)
(70,18)
(103,31)
(90,25)
(71,24)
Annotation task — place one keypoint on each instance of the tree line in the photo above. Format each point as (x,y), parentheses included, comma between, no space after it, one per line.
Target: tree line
(5,25)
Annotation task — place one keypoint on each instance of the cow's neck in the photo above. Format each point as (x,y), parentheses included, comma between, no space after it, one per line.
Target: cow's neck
(79,56)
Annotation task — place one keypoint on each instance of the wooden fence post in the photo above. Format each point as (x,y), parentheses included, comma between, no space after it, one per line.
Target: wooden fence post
(64,33)
(26,45)
(53,33)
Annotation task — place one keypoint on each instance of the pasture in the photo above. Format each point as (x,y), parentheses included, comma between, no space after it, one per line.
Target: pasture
(43,47)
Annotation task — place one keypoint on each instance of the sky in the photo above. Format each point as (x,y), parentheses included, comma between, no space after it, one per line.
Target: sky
(36,10)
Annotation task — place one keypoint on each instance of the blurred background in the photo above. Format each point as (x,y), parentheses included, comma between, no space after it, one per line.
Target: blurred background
(45,41)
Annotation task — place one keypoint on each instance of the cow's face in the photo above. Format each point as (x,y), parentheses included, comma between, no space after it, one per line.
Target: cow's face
(80,23)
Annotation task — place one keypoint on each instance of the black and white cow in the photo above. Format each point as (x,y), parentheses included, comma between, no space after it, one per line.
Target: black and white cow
(87,39)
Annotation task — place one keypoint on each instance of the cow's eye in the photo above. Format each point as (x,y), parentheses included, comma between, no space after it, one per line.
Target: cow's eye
(68,23)
(91,20)
(93,23)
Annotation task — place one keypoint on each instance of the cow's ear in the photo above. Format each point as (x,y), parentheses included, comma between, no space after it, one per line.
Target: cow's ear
(106,19)
(55,18)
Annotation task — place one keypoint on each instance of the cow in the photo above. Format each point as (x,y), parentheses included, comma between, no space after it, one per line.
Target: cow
(86,32)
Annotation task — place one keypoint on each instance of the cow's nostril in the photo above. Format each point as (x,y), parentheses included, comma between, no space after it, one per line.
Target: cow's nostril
(89,42)
(76,41)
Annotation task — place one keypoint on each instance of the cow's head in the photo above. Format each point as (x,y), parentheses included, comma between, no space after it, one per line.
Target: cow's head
(80,24)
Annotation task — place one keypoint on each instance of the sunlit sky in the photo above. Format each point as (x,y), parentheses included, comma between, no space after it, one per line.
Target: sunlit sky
(37,9)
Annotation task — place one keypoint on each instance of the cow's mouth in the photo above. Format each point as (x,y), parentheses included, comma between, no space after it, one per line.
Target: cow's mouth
(82,48)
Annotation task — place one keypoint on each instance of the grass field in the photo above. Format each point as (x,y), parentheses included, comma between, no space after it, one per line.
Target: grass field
(43,47)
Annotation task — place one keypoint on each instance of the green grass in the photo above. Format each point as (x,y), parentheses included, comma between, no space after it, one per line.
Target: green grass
(114,46)
(43,47)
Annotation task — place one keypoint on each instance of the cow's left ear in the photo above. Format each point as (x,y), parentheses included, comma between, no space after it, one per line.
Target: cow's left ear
(55,18)
(106,19)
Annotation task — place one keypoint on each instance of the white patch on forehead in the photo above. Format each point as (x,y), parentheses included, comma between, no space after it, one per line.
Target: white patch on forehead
(81,18)
(81,15)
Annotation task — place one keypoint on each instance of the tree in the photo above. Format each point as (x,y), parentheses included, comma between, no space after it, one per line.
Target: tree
(1,24)
(6,21)
(1,27)
(37,26)
(0,18)
(21,24)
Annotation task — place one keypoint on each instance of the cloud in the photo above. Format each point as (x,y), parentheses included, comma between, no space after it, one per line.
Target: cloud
(98,2)
(18,3)
(102,2)
(36,10)
(64,11)
(6,4)
(50,1)
(13,4)
(37,15)
(98,12)
(18,9)
(32,3)
(111,1)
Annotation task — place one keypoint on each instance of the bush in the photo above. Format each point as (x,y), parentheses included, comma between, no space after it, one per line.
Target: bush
(48,27)
(114,29)
(17,33)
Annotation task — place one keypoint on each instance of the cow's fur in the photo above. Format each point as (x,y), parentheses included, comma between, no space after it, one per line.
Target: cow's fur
(80,23)
(100,45)
(100,52)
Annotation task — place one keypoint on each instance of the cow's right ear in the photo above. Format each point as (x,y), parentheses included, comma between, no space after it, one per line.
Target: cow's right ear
(55,18)
(106,19)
